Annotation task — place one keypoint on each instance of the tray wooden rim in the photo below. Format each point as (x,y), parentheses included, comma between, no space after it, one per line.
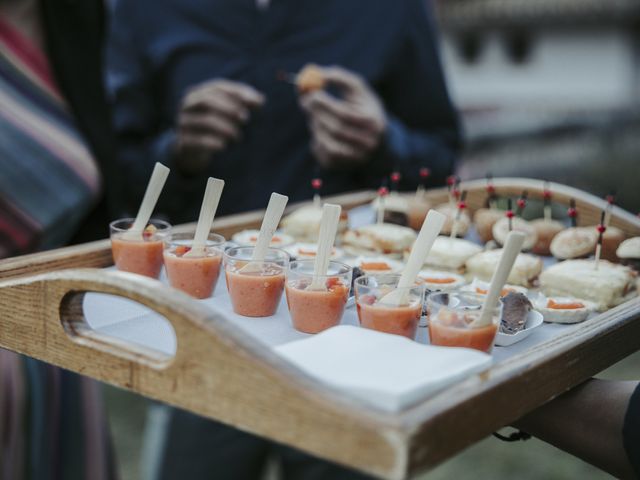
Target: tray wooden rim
(386,445)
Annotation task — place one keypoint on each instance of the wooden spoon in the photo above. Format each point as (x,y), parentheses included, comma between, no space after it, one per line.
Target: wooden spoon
(156,182)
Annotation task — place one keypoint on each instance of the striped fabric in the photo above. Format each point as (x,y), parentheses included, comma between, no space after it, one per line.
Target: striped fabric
(48,178)
(52,422)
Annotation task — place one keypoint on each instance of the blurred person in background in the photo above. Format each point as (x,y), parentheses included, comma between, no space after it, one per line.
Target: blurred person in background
(195,85)
(55,154)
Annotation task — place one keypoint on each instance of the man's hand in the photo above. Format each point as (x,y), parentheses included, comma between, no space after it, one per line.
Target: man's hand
(344,131)
(210,117)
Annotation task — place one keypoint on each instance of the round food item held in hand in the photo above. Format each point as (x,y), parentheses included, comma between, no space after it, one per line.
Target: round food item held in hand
(310,79)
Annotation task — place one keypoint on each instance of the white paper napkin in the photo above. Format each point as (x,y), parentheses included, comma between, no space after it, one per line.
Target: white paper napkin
(387,371)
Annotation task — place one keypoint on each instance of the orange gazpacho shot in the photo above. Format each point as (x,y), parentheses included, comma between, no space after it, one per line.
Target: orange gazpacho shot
(454,326)
(255,291)
(195,275)
(375,314)
(401,320)
(143,256)
(314,307)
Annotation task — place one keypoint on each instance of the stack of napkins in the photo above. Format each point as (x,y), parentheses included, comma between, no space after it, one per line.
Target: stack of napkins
(387,371)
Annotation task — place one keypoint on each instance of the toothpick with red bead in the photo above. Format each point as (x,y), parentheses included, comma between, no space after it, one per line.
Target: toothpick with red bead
(521,203)
(424,173)
(601,229)
(509,213)
(491,192)
(572,212)
(382,193)
(611,200)
(451,181)
(395,180)
(546,196)
(462,204)
(316,184)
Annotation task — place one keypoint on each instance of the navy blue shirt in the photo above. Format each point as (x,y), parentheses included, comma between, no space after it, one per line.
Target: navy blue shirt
(159,48)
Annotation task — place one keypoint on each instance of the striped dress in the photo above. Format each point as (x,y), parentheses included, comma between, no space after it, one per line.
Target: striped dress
(52,422)
(48,178)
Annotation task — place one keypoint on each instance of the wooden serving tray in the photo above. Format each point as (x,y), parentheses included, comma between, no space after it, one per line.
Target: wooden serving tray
(222,374)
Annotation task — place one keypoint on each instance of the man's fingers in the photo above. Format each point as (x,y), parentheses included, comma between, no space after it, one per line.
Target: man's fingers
(345,111)
(348,81)
(361,138)
(335,148)
(209,143)
(195,122)
(244,93)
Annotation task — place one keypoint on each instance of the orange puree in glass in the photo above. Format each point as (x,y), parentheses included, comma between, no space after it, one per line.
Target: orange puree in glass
(143,257)
(256,294)
(313,311)
(397,320)
(448,330)
(196,276)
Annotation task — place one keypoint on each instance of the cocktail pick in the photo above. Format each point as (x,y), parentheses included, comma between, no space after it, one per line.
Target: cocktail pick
(316,184)
(510,252)
(154,187)
(451,181)
(382,193)
(547,195)
(395,180)
(462,204)
(601,229)
(572,212)
(424,174)
(521,203)
(611,200)
(433,223)
(272,217)
(326,239)
(509,214)
(207,212)
(491,191)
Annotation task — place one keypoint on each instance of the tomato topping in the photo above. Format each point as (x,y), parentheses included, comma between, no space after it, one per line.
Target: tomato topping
(564,306)
(375,266)
(149,231)
(332,282)
(309,253)
(181,250)
(439,280)
(503,292)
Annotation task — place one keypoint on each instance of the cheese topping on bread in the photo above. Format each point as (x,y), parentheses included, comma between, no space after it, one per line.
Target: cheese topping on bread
(451,253)
(608,286)
(574,242)
(304,223)
(500,231)
(381,237)
(630,248)
(524,272)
